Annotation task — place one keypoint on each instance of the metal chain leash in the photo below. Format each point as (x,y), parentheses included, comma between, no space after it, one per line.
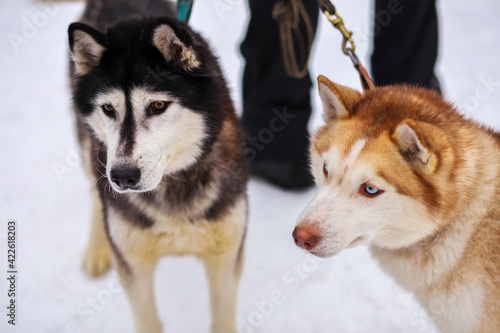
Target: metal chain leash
(348,45)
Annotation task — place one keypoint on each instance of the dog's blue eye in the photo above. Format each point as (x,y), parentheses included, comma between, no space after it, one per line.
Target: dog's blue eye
(371,190)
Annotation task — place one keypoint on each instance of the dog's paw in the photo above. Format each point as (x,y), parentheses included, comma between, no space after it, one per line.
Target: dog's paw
(230,329)
(153,325)
(225,329)
(96,261)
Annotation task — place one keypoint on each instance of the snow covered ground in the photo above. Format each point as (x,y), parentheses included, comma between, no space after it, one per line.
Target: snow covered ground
(347,293)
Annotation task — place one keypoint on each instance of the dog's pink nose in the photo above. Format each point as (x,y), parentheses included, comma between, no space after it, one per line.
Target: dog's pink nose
(306,237)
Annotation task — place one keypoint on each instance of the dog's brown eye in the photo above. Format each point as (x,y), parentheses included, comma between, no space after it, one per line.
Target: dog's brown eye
(158,107)
(325,170)
(108,110)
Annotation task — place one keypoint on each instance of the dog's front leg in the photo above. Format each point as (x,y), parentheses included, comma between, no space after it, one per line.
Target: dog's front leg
(96,260)
(138,282)
(135,261)
(223,272)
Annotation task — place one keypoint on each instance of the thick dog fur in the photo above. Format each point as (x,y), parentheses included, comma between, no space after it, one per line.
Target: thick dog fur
(399,169)
(160,142)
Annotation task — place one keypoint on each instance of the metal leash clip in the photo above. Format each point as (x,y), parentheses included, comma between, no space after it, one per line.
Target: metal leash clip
(348,45)
(338,23)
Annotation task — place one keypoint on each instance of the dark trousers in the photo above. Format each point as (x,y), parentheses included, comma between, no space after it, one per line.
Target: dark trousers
(268,92)
(405,50)
(405,43)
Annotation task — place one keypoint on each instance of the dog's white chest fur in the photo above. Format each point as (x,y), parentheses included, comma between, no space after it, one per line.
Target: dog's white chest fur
(454,303)
(455,311)
(178,236)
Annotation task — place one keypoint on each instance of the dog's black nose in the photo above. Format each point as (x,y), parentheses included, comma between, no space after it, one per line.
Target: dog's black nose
(125,177)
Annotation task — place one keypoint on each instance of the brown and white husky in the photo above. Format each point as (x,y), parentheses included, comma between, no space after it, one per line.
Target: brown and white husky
(399,169)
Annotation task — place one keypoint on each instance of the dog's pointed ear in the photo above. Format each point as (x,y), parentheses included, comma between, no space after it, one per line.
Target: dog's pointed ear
(413,143)
(87,46)
(173,46)
(338,101)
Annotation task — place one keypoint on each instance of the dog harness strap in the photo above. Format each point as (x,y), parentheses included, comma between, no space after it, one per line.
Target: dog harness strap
(365,78)
(184,10)
(292,19)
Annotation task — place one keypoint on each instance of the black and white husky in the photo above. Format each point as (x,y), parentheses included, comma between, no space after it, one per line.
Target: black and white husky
(161,143)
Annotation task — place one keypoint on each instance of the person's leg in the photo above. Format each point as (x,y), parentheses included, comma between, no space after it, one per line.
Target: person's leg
(276,108)
(405,43)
